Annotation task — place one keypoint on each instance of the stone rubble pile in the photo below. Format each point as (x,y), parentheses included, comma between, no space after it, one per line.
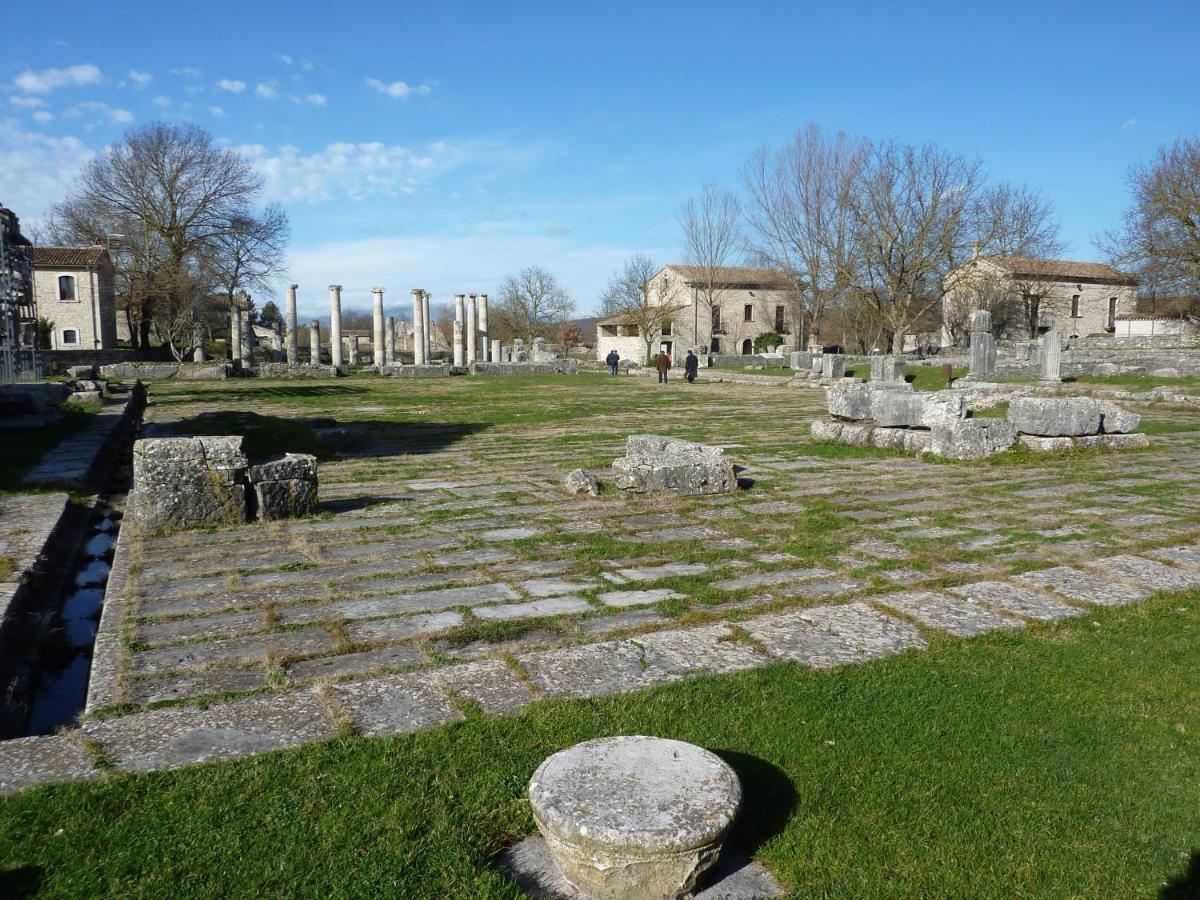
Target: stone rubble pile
(185,482)
(657,463)
(892,416)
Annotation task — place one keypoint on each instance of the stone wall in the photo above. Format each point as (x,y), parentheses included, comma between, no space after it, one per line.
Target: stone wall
(183,371)
(555,367)
(67,358)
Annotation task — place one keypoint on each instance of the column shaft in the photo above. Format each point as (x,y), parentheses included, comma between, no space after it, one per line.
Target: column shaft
(377,337)
(293,341)
(335,324)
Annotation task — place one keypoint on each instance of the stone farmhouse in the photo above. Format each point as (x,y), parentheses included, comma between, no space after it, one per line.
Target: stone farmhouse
(746,303)
(1024,294)
(73,287)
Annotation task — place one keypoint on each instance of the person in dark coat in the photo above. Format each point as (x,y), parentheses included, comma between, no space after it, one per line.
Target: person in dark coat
(612,359)
(691,366)
(663,364)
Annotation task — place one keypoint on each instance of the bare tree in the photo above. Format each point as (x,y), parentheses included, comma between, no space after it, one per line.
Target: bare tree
(1159,237)
(711,225)
(569,338)
(641,304)
(161,198)
(533,302)
(627,286)
(801,218)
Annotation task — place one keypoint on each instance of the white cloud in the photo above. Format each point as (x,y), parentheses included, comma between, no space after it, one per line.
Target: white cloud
(1129,125)
(36,170)
(234,87)
(398,90)
(186,72)
(43,116)
(284,58)
(161,102)
(307,66)
(48,80)
(141,79)
(216,111)
(26,102)
(265,91)
(315,99)
(103,111)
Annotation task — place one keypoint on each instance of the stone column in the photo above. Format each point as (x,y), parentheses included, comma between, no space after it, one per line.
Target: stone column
(335,324)
(983,345)
(235,332)
(247,333)
(377,339)
(428,327)
(495,356)
(1051,357)
(314,343)
(293,342)
(459,312)
(198,355)
(352,350)
(472,327)
(418,328)
(483,328)
(389,341)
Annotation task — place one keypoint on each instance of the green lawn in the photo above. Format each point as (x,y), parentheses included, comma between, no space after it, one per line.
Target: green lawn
(1059,762)
(1140,382)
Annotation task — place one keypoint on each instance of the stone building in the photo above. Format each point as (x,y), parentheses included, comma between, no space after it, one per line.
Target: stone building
(74,288)
(746,303)
(1024,294)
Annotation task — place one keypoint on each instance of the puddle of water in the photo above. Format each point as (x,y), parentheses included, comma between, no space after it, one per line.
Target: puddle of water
(58,699)
(100,545)
(94,573)
(81,614)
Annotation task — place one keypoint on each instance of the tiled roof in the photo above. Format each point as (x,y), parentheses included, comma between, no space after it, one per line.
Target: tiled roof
(1064,269)
(68,257)
(735,275)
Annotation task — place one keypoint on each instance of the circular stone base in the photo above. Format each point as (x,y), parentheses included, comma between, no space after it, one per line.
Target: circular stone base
(634,817)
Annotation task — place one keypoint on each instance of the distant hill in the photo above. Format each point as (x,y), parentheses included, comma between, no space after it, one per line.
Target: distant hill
(587,328)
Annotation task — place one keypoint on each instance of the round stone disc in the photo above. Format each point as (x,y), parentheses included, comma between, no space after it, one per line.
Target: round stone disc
(635,793)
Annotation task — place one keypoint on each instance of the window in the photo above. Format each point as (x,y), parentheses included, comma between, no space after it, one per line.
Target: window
(666,328)
(608,330)
(748,313)
(1074,306)
(716,319)
(779,319)
(70,335)
(66,287)
(1112,313)
(716,346)
(747,347)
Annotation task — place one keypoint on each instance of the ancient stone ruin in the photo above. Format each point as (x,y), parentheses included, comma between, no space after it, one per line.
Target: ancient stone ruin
(656,463)
(185,482)
(893,416)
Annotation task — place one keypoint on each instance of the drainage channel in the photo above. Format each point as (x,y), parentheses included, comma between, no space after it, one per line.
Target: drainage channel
(65,646)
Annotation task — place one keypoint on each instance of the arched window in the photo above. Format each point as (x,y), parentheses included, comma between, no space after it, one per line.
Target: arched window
(747,347)
(66,287)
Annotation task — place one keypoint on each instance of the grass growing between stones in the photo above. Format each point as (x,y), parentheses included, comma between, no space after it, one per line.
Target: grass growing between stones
(1060,761)
(23,448)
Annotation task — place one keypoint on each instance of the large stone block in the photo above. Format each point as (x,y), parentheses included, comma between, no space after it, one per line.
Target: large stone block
(1055,416)
(1047,444)
(285,488)
(826,430)
(917,441)
(657,463)
(972,438)
(1124,441)
(833,365)
(857,434)
(188,481)
(887,369)
(888,438)
(942,408)
(851,402)
(895,405)
(1115,420)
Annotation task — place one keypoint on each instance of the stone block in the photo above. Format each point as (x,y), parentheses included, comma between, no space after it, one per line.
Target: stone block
(634,816)
(1047,444)
(851,402)
(285,488)
(1088,442)
(888,438)
(1104,369)
(857,434)
(942,408)
(1115,420)
(887,370)
(188,481)
(1055,416)
(78,372)
(656,463)
(826,430)
(917,441)
(833,365)
(1167,372)
(288,467)
(800,361)
(1124,441)
(86,398)
(580,482)
(972,438)
(894,407)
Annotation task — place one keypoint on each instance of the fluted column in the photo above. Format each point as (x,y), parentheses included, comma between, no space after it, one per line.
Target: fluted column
(428,327)
(293,342)
(247,342)
(235,332)
(459,351)
(418,327)
(335,324)
(472,327)
(377,339)
(314,342)
(389,341)
(483,327)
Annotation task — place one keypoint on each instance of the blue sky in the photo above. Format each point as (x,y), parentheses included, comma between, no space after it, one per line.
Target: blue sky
(445,145)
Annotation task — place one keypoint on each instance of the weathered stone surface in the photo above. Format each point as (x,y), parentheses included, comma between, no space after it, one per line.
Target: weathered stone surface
(634,816)
(857,434)
(1054,416)
(849,402)
(1147,572)
(917,441)
(579,482)
(942,408)
(26,762)
(1047,444)
(639,598)
(963,618)
(355,663)
(1123,441)
(833,365)
(188,481)
(888,438)
(1116,420)
(826,430)
(972,438)
(395,704)
(1023,602)
(885,369)
(489,684)
(655,463)
(549,606)
(1085,586)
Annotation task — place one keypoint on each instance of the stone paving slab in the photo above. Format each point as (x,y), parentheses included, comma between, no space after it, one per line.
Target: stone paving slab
(1183,556)
(402,628)
(1022,601)
(547,606)
(764,579)
(1147,572)
(355,663)
(171,738)
(26,762)
(1085,586)
(873,633)
(956,616)
(792,637)
(235,650)
(667,570)
(592,670)
(490,684)
(181,687)
(692,651)
(639,598)
(395,704)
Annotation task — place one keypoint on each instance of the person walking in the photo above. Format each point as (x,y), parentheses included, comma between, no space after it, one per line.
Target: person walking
(663,364)
(613,359)
(691,366)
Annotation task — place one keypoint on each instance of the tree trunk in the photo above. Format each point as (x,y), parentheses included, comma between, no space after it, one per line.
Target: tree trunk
(898,341)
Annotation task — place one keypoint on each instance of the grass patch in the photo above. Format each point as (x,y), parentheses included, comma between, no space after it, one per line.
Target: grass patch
(1059,761)
(1166,426)
(1139,382)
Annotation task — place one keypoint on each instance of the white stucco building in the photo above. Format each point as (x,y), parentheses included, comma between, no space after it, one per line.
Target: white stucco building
(73,288)
(1083,298)
(746,303)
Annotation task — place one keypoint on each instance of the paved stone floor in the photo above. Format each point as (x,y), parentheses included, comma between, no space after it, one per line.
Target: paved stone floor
(447,569)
